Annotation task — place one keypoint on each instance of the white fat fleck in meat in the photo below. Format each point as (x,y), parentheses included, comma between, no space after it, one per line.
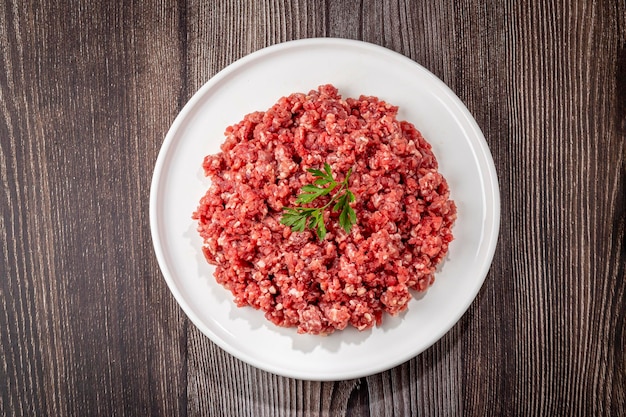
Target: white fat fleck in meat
(295,293)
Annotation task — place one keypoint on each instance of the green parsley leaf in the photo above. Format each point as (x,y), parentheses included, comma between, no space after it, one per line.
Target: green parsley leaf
(301,218)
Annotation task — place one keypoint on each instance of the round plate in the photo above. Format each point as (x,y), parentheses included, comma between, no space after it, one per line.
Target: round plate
(254,83)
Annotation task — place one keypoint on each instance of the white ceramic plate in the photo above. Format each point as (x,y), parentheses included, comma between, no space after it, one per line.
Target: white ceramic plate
(255,83)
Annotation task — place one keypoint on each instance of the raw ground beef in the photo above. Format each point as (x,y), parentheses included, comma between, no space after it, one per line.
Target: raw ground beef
(404,213)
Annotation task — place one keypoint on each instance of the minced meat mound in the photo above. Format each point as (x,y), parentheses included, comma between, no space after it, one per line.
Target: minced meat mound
(404,213)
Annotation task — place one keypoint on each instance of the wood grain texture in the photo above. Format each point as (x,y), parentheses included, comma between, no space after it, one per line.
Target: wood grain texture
(85,327)
(87,93)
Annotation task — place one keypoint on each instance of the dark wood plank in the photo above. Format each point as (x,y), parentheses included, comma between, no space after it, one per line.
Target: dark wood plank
(561,151)
(87,94)
(390,393)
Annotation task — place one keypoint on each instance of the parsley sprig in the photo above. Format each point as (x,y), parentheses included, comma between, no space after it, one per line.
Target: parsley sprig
(300,218)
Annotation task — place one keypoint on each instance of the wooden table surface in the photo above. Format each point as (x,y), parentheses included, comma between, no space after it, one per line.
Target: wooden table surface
(88,91)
